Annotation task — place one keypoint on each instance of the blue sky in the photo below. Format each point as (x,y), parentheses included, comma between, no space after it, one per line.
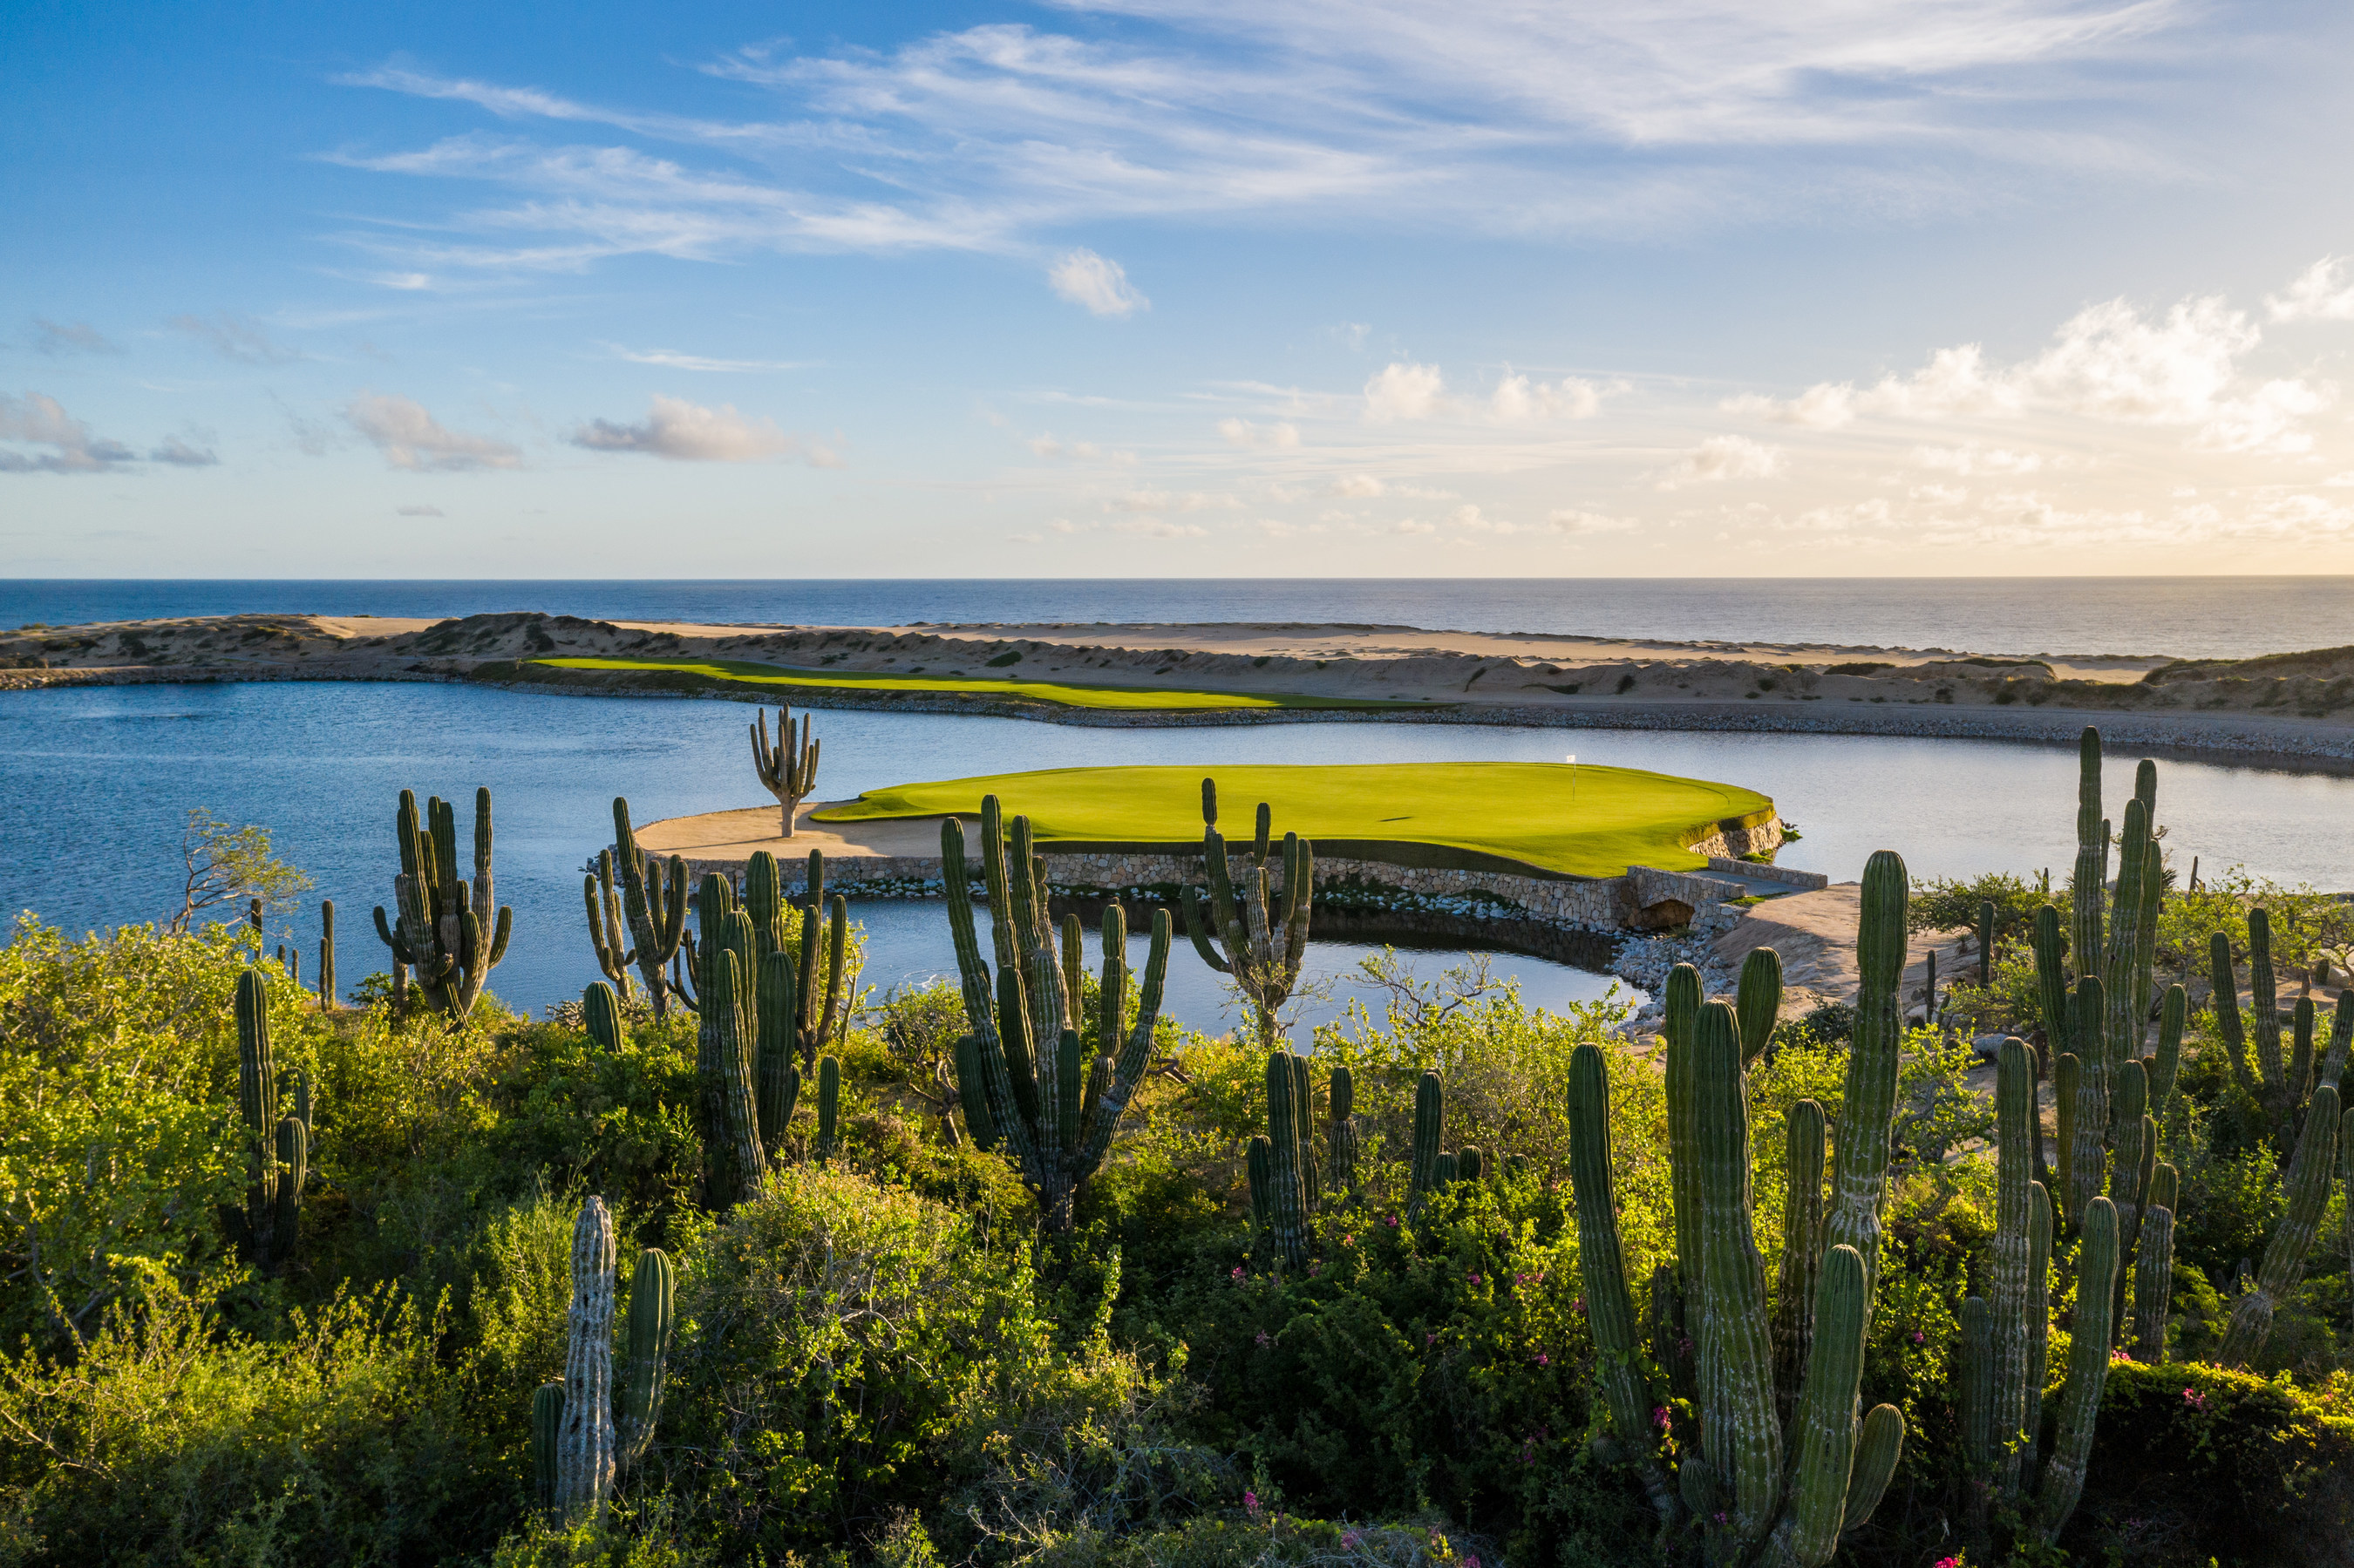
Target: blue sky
(1177,287)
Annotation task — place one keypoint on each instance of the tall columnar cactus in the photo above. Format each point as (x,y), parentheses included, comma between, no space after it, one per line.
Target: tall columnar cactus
(2153,1290)
(2016,1297)
(584,1448)
(1802,1249)
(439,931)
(813,1008)
(734,1160)
(2052,983)
(293,1151)
(328,992)
(1985,943)
(2282,1088)
(1759,1001)
(789,768)
(257,1099)
(2125,991)
(828,1105)
(2309,1175)
(2088,1114)
(653,898)
(637,1405)
(1429,1127)
(600,1013)
(1052,1112)
(608,937)
(1733,1484)
(2091,871)
(1868,1104)
(1261,928)
(2088,1373)
(1340,1135)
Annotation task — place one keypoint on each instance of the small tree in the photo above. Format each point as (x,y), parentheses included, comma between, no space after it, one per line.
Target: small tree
(228,864)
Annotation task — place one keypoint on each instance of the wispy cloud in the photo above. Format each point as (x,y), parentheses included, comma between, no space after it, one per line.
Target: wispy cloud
(1402,390)
(1244,433)
(36,419)
(240,338)
(411,439)
(1594,121)
(55,338)
(672,359)
(688,432)
(1721,457)
(186,453)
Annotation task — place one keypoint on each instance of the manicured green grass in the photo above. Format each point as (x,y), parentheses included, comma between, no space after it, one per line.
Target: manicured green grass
(1068,692)
(1597,823)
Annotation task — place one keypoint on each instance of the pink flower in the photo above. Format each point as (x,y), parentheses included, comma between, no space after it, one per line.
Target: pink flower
(1660,1416)
(1250,1502)
(1475,1280)
(1578,1305)
(1263,1340)
(1314,1270)
(1954,1562)
(1919,1338)
(1472,1561)
(1391,1222)
(1349,1539)
(2194,1399)
(1349,1240)
(1430,1339)
(1543,1360)
(1237,1273)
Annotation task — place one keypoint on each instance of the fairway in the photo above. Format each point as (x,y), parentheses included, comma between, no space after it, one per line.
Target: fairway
(1595,823)
(743,672)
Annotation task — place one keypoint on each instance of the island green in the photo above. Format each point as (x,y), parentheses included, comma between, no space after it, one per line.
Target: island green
(1582,820)
(1067,693)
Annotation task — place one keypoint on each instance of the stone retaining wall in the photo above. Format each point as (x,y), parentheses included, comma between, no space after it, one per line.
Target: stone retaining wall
(1643,899)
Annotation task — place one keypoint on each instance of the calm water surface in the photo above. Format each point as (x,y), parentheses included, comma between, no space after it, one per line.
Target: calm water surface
(95,783)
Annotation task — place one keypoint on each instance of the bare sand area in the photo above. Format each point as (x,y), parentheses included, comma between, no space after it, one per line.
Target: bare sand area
(740,834)
(2297,707)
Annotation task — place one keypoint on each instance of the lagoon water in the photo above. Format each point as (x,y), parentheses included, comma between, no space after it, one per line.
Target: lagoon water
(95,783)
(2192,617)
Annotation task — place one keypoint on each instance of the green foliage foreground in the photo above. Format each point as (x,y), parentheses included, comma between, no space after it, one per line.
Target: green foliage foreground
(881,1359)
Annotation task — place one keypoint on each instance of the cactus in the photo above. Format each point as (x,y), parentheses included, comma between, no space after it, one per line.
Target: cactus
(293,1152)
(2091,869)
(1262,932)
(1975,1372)
(2123,988)
(1429,1125)
(2088,1373)
(2051,980)
(789,768)
(2153,1292)
(600,1012)
(654,897)
(734,1163)
(638,1403)
(547,1426)
(1056,1121)
(439,931)
(2309,1175)
(1340,1135)
(1802,1250)
(2088,1112)
(828,1105)
(608,937)
(1985,943)
(257,1098)
(2014,1297)
(2283,1089)
(1284,1200)
(1759,1001)
(584,1448)
(328,989)
(1868,1105)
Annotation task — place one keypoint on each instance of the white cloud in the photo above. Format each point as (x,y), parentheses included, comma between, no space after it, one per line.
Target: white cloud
(1411,525)
(2322,293)
(411,439)
(2107,362)
(688,432)
(1102,285)
(1243,433)
(1048,446)
(236,337)
(1406,391)
(1722,458)
(39,421)
(1357,486)
(418,512)
(1171,500)
(1156,528)
(1518,400)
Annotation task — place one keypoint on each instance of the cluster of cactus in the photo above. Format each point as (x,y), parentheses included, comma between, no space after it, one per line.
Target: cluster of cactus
(653,900)
(1433,1168)
(2108,1093)
(585,1432)
(1022,1076)
(608,936)
(278,1147)
(763,1013)
(1285,1183)
(437,934)
(789,768)
(1262,926)
(2006,1333)
(2285,1088)
(328,989)
(1776,1466)
(2310,1172)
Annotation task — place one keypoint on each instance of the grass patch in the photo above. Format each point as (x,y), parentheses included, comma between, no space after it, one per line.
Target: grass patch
(1596,824)
(1069,694)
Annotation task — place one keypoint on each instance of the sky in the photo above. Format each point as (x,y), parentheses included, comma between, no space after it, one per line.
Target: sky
(1185,288)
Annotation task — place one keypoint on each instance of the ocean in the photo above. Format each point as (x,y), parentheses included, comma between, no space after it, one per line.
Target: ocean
(2191,618)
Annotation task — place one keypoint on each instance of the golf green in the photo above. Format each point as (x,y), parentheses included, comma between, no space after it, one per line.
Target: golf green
(1068,694)
(1582,820)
